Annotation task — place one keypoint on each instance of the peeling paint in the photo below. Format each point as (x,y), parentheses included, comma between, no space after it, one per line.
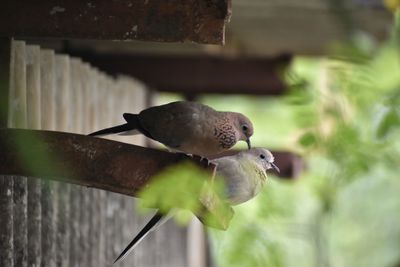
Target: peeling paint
(91,153)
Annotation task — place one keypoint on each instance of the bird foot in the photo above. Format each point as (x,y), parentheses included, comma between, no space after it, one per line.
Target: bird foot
(204,162)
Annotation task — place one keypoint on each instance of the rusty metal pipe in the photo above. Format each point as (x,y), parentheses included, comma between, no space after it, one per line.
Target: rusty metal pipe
(89,161)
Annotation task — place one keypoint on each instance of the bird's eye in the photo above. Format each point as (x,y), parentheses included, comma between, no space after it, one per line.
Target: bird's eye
(262,156)
(244,128)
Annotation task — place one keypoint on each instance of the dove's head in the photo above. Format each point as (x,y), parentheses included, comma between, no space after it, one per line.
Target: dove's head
(244,127)
(263,157)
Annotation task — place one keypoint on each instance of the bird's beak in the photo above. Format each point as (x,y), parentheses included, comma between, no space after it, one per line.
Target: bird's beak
(275,167)
(248,143)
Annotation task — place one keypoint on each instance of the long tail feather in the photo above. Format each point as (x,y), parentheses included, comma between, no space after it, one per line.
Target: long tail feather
(139,237)
(113,130)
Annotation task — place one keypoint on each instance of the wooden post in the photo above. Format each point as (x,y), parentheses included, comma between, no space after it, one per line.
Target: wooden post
(48,81)
(34,186)
(18,119)
(6,184)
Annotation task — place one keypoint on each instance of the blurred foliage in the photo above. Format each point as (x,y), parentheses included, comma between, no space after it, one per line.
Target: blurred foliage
(186,187)
(345,120)
(343,115)
(392,4)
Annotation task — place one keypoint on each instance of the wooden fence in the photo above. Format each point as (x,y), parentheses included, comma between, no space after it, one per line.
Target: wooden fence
(47,223)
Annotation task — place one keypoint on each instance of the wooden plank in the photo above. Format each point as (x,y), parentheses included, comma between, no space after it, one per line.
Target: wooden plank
(48,82)
(6,184)
(118,104)
(84,227)
(110,206)
(34,122)
(18,112)
(99,118)
(75,196)
(18,119)
(206,74)
(95,208)
(6,221)
(85,193)
(33,86)
(62,104)
(130,99)
(167,21)
(79,117)
(197,246)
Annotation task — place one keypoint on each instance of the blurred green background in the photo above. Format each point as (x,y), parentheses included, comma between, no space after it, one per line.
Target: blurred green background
(343,117)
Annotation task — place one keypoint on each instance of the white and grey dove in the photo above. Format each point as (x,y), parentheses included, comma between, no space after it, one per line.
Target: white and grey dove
(244,175)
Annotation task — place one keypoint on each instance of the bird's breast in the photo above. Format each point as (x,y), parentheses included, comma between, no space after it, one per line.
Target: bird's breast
(225,135)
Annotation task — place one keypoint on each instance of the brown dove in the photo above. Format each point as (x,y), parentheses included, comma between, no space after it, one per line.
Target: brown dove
(189,127)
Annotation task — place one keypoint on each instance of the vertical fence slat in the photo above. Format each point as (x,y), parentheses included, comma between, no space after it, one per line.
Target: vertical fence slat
(47,76)
(6,183)
(111,206)
(84,253)
(6,221)
(63,190)
(196,248)
(121,216)
(91,240)
(18,116)
(95,220)
(97,114)
(34,122)
(74,126)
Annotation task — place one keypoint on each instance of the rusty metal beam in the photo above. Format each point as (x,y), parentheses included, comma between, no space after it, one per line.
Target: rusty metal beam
(191,75)
(200,21)
(88,161)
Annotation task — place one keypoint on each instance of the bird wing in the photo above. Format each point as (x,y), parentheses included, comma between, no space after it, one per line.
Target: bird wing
(174,123)
(243,177)
(236,180)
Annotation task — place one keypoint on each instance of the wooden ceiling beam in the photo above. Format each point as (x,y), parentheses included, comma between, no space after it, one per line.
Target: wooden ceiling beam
(199,21)
(192,75)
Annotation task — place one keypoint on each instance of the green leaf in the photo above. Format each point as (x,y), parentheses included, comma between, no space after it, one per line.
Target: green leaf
(308,139)
(389,121)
